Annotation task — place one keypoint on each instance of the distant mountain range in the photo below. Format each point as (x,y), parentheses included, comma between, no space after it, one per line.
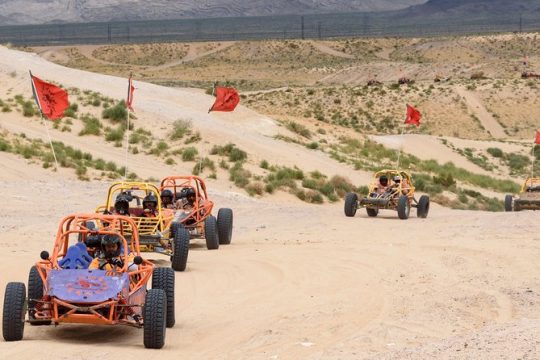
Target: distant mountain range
(19,12)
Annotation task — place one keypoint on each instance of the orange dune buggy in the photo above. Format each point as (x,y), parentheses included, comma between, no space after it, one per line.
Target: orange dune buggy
(397,194)
(61,288)
(198,219)
(157,232)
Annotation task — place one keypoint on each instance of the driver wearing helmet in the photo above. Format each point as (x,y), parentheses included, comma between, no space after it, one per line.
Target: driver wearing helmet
(382,186)
(150,204)
(110,257)
(188,196)
(167,199)
(121,204)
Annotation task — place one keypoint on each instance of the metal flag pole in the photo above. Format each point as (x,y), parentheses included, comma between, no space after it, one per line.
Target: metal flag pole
(213,94)
(532,153)
(401,146)
(36,97)
(128,105)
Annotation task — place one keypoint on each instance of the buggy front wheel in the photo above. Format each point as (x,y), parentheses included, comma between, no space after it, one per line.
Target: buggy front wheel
(372,212)
(508,200)
(155,318)
(350,204)
(422,209)
(211,233)
(14,311)
(180,247)
(403,207)
(225,225)
(163,278)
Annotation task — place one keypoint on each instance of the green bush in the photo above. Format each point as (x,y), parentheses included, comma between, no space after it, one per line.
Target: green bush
(239,175)
(115,134)
(229,150)
(189,153)
(92,126)
(298,129)
(180,129)
(264,164)
(28,109)
(203,164)
(116,113)
(495,152)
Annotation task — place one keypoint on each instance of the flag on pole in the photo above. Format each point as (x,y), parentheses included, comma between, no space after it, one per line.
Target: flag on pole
(226,99)
(51,100)
(131,89)
(537,140)
(413,116)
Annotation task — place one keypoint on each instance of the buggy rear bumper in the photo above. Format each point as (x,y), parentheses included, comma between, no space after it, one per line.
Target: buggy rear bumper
(521,204)
(374,202)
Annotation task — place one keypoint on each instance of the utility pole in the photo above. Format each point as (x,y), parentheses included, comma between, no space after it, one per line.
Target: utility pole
(319,30)
(302,20)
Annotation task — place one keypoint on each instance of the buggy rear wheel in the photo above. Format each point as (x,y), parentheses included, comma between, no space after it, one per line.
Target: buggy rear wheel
(163,278)
(35,292)
(211,233)
(372,212)
(180,247)
(225,225)
(14,310)
(422,209)
(155,318)
(350,204)
(508,200)
(403,207)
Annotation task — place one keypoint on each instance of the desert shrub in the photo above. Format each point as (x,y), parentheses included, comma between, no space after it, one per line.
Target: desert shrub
(203,164)
(264,164)
(189,153)
(180,128)
(231,151)
(5,145)
(298,129)
(255,188)
(517,162)
(239,175)
(446,180)
(28,109)
(313,145)
(92,126)
(170,161)
(115,134)
(495,152)
(116,113)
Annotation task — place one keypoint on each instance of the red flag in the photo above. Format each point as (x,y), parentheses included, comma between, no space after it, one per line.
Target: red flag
(226,99)
(413,116)
(129,99)
(537,141)
(51,100)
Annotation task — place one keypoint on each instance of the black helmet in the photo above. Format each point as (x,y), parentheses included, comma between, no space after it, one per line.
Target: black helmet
(121,204)
(187,191)
(150,199)
(397,179)
(167,193)
(110,239)
(383,180)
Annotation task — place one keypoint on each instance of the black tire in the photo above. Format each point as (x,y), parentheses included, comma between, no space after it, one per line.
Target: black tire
(35,292)
(508,200)
(372,212)
(350,204)
(403,207)
(163,278)
(14,311)
(225,226)
(422,208)
(211,233)
(155,319)
(180,247)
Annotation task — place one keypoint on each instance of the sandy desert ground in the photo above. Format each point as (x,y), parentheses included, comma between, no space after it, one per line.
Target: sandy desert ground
(299,281)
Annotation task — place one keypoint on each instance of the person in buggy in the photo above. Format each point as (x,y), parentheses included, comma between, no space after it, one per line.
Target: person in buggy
(185,204)
(382,186)
(167,199)
(110,256)
(150,203)
(121,205)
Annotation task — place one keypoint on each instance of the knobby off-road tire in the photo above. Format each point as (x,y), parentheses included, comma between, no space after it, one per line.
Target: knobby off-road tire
(372,212)
(211,233)
(180,247)
(225,226)
(35,292)
(14,311)
(350,204)
(422,209)
(155,319)
(403,207)
(508,200)
(163,278)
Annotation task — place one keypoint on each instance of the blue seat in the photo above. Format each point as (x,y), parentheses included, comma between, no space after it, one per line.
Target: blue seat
(76,257)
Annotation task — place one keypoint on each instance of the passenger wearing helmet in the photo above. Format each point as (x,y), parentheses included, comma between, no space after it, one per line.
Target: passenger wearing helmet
(110,257)
(188,196)
(150,204)
(167,199)
(121,204)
